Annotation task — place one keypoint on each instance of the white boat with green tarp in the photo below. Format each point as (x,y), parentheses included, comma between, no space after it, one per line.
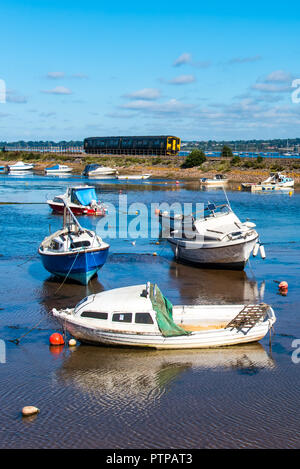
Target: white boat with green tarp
(141,316)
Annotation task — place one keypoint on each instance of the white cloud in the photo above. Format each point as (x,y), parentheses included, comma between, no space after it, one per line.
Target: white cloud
(13,97)
(182,80)
(169,107)
(279,76)
(58,90)
(241,60)
(182,59)
(145,93)
(271,87)
(55,75)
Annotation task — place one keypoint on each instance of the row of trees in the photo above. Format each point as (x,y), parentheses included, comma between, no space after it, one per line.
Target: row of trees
(197,157)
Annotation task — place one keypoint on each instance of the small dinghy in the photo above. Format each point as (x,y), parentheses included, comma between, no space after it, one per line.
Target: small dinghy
(73,252)
(58,169)
(140,316)
(82,200)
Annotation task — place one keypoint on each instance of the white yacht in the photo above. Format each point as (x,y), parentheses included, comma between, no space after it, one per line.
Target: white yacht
(218,180)
(217,239)
(20,166)
(98,170)
(58,169)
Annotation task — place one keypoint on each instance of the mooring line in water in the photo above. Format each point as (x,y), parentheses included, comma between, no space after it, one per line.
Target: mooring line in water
(23,203)
(27,260)
(67,274)
(17,341)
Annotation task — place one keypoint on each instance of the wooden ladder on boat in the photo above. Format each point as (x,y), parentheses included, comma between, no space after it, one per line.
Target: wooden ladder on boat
(248,316)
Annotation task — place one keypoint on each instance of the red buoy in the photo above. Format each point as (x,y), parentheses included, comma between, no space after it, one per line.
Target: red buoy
(56,339)
(283,285)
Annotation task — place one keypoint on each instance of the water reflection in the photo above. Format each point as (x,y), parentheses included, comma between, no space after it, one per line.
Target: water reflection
(214,286)
(120,374)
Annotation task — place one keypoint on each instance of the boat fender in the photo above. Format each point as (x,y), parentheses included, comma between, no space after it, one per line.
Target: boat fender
(255,250)
(262,251)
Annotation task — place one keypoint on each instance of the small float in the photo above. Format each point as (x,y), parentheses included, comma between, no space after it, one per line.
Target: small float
(73,252)
(58,169)
(81,200)
(141,316)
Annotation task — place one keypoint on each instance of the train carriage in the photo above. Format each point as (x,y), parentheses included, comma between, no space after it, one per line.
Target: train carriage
(162,145)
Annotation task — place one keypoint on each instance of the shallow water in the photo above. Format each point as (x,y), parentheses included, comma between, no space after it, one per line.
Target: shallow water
(98,397)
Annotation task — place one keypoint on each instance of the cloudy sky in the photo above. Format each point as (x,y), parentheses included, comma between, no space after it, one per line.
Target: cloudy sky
(74,69)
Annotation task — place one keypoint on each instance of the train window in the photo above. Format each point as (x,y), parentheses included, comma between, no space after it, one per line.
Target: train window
(122,317)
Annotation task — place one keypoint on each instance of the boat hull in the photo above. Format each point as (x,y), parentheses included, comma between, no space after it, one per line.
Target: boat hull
(79,267)
(196,340)
(77,209)
(232,256)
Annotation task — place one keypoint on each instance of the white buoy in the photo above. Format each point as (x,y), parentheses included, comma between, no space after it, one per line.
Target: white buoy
(72,342)
(262,251)
(255,250)
(29,410)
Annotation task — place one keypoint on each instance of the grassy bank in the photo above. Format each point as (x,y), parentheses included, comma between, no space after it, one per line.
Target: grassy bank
(243,170)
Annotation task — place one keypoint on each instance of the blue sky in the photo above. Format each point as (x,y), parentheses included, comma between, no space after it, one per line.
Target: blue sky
(74,69)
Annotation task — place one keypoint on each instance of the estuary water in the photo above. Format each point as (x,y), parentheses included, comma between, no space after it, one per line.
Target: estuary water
(100,397)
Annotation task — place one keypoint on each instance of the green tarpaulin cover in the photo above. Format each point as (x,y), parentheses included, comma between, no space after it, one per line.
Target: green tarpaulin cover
(163,308)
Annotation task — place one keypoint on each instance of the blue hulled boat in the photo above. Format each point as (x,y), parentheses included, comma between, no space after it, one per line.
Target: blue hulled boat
(73,252)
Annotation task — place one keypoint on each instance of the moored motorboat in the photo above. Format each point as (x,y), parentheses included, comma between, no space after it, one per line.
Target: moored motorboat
(217,239)
(218,180)
(73,252)
(20,166)
(82,200)
(98,170)
(276,181)
(58,169)
(140,316)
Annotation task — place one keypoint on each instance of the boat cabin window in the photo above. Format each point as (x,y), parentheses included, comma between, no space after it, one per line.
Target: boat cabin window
(55,245)
(94,315)
(143,318)
(122,317)
(80,244)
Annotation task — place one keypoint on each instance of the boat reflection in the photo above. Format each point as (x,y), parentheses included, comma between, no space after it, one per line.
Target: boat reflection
(214,286)
(121,374)
(55,293)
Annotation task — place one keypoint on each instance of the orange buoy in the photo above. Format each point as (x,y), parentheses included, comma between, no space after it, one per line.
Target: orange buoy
(283,288)
(156,211)
(56,339)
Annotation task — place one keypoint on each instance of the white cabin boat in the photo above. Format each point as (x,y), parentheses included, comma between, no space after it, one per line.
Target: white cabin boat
(20,166)
(218,180)
(98,170)
(217,239)
(140,316)
(276,181)
(58,169)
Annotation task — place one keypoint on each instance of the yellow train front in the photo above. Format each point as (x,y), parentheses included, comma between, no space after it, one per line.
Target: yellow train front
(162,145)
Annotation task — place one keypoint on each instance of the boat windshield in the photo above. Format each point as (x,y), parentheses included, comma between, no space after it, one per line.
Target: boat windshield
(213,210)
(83,196)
